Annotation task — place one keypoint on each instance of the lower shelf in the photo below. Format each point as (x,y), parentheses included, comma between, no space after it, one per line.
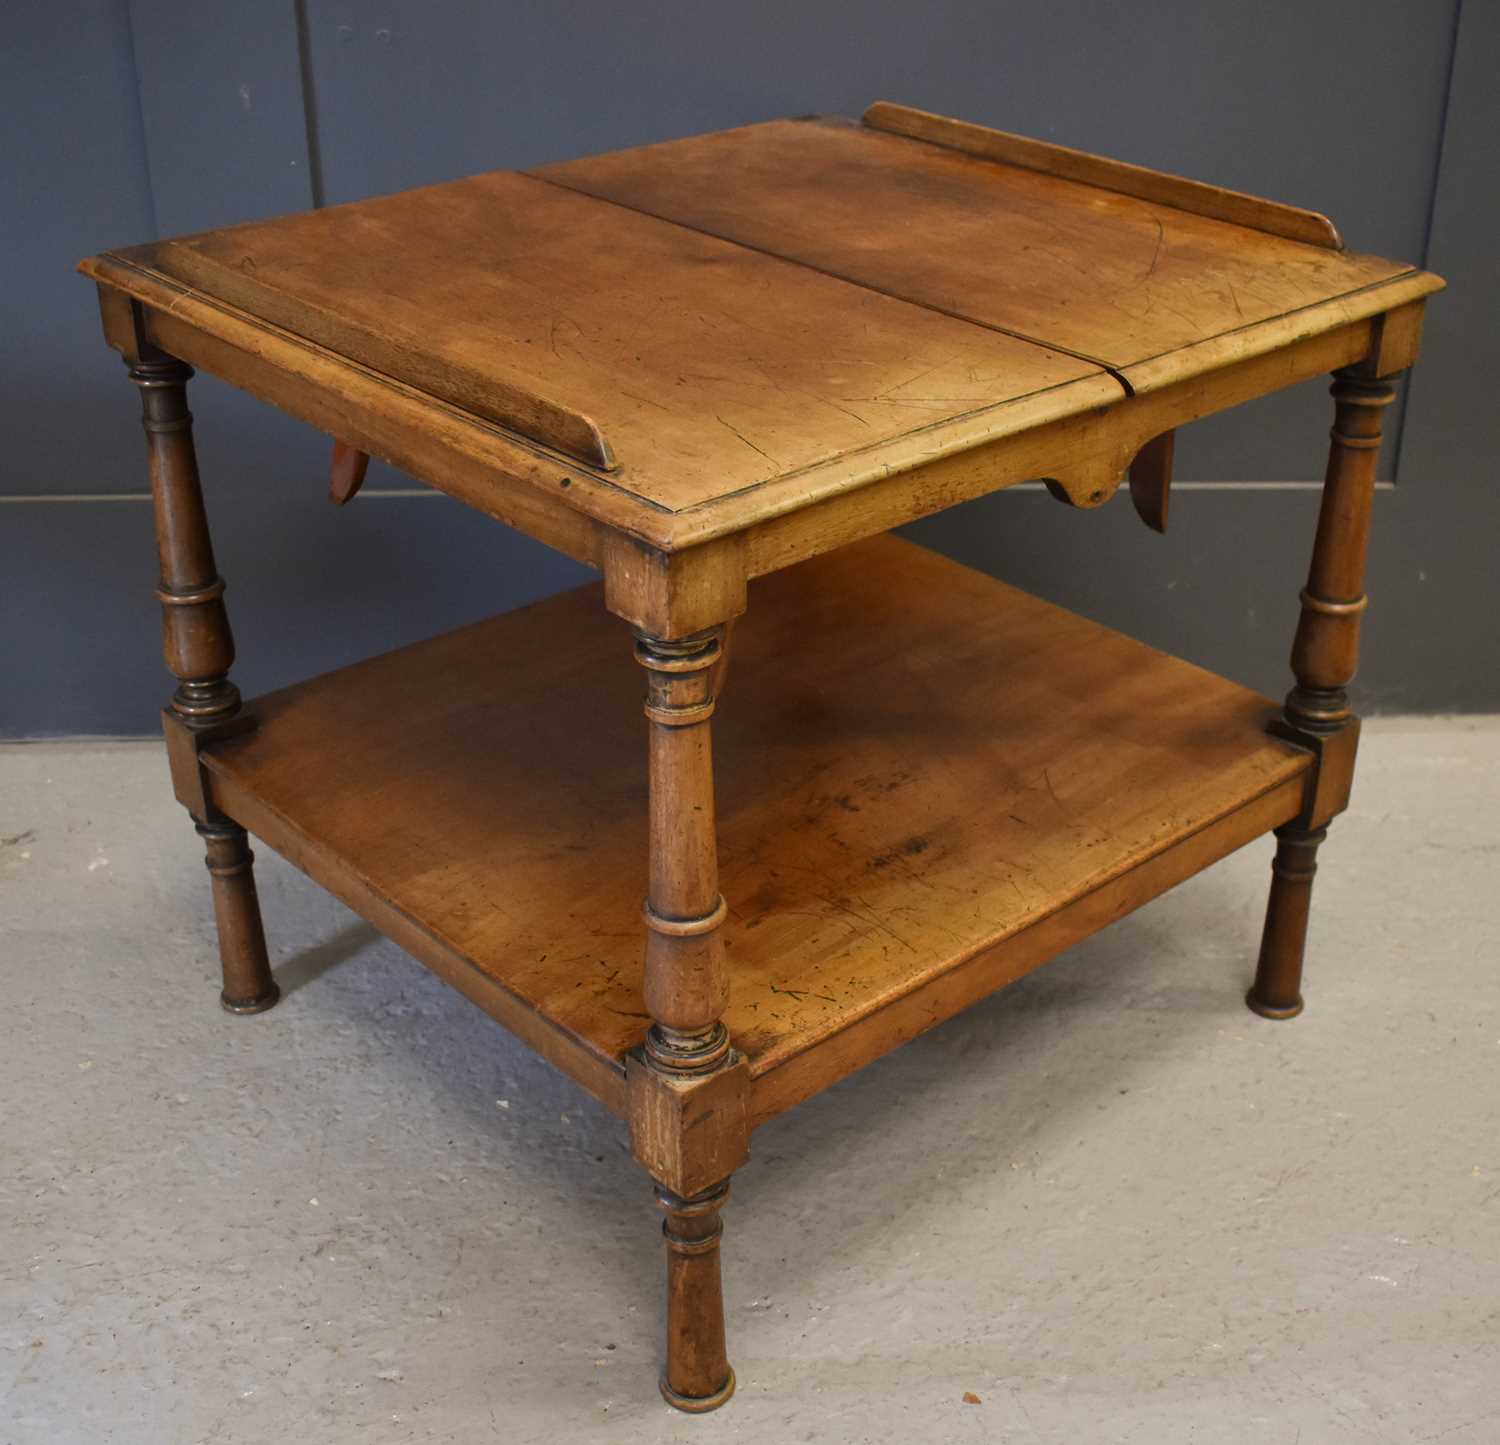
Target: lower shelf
(928,783)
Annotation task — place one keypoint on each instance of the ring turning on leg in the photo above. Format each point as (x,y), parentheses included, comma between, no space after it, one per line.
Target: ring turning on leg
(1275,994)
(688,1088)
(199,649)
(248,985)
(1317,715)
(697,1376)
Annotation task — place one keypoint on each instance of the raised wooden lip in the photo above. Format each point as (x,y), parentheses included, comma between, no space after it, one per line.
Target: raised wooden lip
(1219,203)
(625,510)
(519,409)
(562,485)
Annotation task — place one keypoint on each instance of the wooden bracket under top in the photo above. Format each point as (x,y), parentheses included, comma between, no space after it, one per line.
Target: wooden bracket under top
(1145,184)
(1151,480)
(346,473)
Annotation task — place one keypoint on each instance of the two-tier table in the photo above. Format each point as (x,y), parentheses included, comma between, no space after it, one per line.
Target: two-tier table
(719,370)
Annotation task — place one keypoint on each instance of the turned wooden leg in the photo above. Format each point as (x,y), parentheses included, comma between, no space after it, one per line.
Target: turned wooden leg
(199,648)
(688,1087)
(698,1376)
(1278,975)
(1325,654)
(248,986)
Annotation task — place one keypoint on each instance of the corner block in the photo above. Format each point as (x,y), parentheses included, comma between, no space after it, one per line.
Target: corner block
(672,595)
(1332,777)
(184,743)
(689,1132)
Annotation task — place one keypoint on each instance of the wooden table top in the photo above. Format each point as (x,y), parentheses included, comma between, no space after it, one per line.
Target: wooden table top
(746,322)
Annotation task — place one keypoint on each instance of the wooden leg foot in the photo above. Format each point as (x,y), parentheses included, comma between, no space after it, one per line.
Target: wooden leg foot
(248,985)
(1270,1011)
(1276,992)
(697,1377)
(268,1000)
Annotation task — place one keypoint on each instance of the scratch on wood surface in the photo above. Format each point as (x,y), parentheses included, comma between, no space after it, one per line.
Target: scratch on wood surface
(857,417)
(1161,236)
(798,994)
(645,401)
(741,435)
(1047,778)
(779,384)
(865,915)
(900,385)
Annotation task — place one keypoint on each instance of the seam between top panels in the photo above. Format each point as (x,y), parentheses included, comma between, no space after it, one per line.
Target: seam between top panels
(1104,366)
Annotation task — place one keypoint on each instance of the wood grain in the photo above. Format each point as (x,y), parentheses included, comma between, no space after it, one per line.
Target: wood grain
(1099,274)
(557,501)
(954,761)
(950,992)
(683,365)
(1088,452)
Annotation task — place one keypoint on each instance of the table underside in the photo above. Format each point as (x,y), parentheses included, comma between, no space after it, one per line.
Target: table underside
(928,783)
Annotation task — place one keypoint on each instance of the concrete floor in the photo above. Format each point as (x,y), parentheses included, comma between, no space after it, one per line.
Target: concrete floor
(1109,1203)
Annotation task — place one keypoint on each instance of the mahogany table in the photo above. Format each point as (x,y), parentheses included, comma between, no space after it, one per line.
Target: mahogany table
(719,370)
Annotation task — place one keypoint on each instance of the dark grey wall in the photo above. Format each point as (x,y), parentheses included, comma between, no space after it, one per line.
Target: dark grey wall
(162,116)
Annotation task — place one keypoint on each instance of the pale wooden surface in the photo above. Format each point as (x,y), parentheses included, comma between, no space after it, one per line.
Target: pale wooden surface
(914,763)
(1100,274)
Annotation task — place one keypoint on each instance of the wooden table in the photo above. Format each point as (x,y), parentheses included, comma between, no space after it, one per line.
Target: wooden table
(718,370)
